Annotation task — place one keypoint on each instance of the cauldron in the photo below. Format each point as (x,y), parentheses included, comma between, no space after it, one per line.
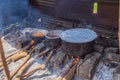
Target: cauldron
(53,38)
(78,41)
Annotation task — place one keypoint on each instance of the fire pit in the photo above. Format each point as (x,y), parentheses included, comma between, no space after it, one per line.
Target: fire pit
(61,55)
(78,41)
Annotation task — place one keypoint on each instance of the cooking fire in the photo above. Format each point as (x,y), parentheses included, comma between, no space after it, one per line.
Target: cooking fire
(59,40)
(72,54)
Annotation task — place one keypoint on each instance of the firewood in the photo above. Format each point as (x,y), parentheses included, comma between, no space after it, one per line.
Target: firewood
(12,74)
(14,58)
(57,59)
(2,57)
(17,54)
(26,47)
(22,70)
(38,46)
(40,67)
(44,52)
(78,65)
(8,60)
(49,57)
(65,70)
(11,55)
(71,73)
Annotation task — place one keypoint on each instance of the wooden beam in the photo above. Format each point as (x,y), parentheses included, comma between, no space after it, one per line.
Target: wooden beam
(2,56)
(119,27)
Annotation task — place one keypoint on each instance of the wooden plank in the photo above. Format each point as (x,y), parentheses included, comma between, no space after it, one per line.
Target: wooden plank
(2,56)
(119,28)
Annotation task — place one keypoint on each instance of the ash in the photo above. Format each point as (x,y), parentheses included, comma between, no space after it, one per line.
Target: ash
(46,74)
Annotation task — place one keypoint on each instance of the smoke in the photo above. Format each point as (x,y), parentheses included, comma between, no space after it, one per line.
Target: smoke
(12,11)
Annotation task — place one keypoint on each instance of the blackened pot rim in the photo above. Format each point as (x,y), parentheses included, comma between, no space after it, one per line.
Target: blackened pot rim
(58,32)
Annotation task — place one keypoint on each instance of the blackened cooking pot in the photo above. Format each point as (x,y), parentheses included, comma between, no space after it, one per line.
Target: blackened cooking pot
(53,38)
(37,35)
(78,41)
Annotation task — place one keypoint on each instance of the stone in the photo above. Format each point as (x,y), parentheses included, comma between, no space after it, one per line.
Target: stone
(98,48)
(118,69)
(108,68)
(111,50)
(103,72)
(86,67)
(116,76)
(112,56)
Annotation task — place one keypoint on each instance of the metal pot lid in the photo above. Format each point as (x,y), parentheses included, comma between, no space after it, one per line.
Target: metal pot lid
(78,35)
(53,34)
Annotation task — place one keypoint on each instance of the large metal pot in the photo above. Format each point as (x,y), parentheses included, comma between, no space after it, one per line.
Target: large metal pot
(78,42)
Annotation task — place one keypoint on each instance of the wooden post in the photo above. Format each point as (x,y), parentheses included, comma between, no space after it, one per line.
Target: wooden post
(2,56)
(119,27)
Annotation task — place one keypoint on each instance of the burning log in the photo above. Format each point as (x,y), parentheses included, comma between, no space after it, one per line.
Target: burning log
(85,69)
(71,73)
(65,70)
(57,59)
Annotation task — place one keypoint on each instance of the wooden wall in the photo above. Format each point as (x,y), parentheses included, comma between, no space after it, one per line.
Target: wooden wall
(107,16)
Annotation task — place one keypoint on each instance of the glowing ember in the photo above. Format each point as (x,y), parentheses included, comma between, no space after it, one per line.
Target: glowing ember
(32,47)
(76,59)
(32,42)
